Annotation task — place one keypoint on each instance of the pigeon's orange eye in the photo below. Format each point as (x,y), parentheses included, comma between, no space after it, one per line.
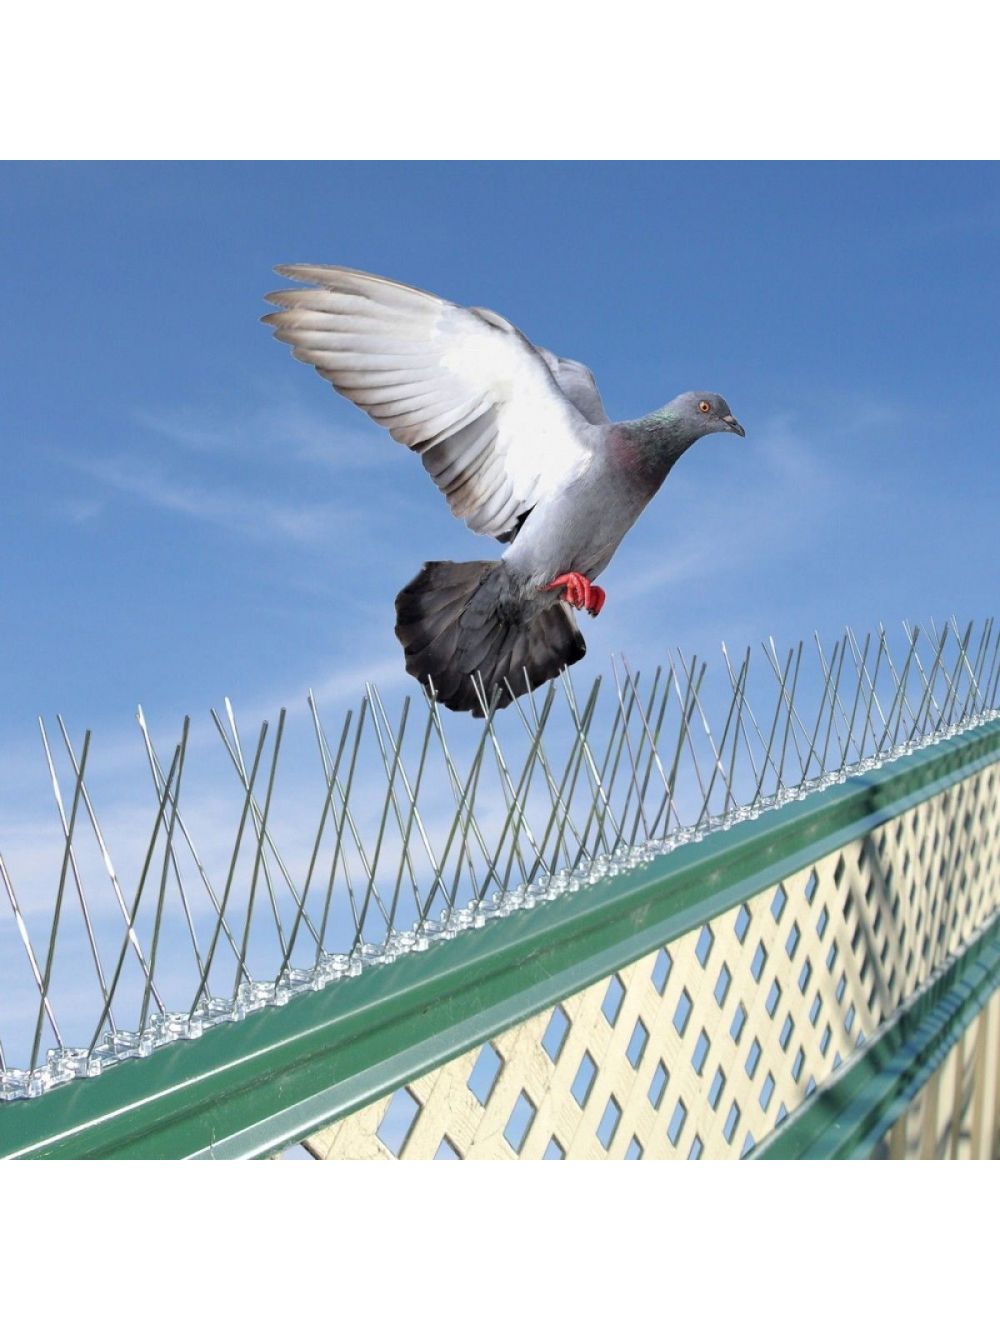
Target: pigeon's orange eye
(705,406)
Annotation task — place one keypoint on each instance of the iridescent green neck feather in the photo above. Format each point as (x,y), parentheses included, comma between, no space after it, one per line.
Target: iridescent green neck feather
(649,446)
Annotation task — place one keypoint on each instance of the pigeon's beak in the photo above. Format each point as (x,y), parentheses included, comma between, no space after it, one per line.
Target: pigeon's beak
(733,424)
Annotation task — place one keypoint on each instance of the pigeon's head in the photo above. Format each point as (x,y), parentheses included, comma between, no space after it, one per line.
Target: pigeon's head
(700,413)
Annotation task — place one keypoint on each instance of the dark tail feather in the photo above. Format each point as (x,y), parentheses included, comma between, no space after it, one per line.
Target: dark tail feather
(458,626)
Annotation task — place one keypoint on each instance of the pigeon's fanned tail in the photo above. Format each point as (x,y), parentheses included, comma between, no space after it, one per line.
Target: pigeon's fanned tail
(459,624)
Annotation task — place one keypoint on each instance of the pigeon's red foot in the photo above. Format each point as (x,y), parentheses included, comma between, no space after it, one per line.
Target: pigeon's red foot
(580,592)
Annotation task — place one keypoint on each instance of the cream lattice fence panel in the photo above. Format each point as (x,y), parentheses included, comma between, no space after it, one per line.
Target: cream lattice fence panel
(703,1048)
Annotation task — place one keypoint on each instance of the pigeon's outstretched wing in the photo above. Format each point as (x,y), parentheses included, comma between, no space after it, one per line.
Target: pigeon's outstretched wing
(497,423)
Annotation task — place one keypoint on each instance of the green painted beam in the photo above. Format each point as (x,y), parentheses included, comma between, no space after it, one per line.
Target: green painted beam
(848,1117)
(253,1087)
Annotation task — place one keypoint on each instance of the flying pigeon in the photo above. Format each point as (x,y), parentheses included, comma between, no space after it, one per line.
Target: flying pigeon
(519,442)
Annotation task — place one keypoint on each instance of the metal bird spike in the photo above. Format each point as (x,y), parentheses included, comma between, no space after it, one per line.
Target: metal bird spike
(415,826)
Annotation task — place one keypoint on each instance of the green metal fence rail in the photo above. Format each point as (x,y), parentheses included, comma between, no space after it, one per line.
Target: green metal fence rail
(251,1087)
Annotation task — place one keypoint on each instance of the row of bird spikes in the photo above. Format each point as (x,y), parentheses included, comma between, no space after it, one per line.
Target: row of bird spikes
(425,826)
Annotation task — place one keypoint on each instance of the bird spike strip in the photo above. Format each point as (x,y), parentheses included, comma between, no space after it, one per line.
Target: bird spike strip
(425,826)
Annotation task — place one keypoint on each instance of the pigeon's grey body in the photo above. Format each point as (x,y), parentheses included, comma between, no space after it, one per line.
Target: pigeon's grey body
(579,528)
(519,442)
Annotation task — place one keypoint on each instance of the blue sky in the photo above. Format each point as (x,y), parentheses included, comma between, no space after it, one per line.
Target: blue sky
(189,513)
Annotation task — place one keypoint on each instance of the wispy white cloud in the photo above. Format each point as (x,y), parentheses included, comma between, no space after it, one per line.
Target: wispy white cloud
(275,431)
(739,516)
(183,461)
(82,510)
(235,510)
(337,689)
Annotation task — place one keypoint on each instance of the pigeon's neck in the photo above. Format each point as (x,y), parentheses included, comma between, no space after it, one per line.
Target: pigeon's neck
(649,446)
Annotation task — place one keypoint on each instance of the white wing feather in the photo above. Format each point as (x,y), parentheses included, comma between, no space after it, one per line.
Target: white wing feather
(461,386)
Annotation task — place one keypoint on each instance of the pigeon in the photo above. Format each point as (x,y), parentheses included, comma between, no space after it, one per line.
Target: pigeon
(519,442)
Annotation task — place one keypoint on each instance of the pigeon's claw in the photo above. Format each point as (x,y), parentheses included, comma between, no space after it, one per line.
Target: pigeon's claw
(580,592)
